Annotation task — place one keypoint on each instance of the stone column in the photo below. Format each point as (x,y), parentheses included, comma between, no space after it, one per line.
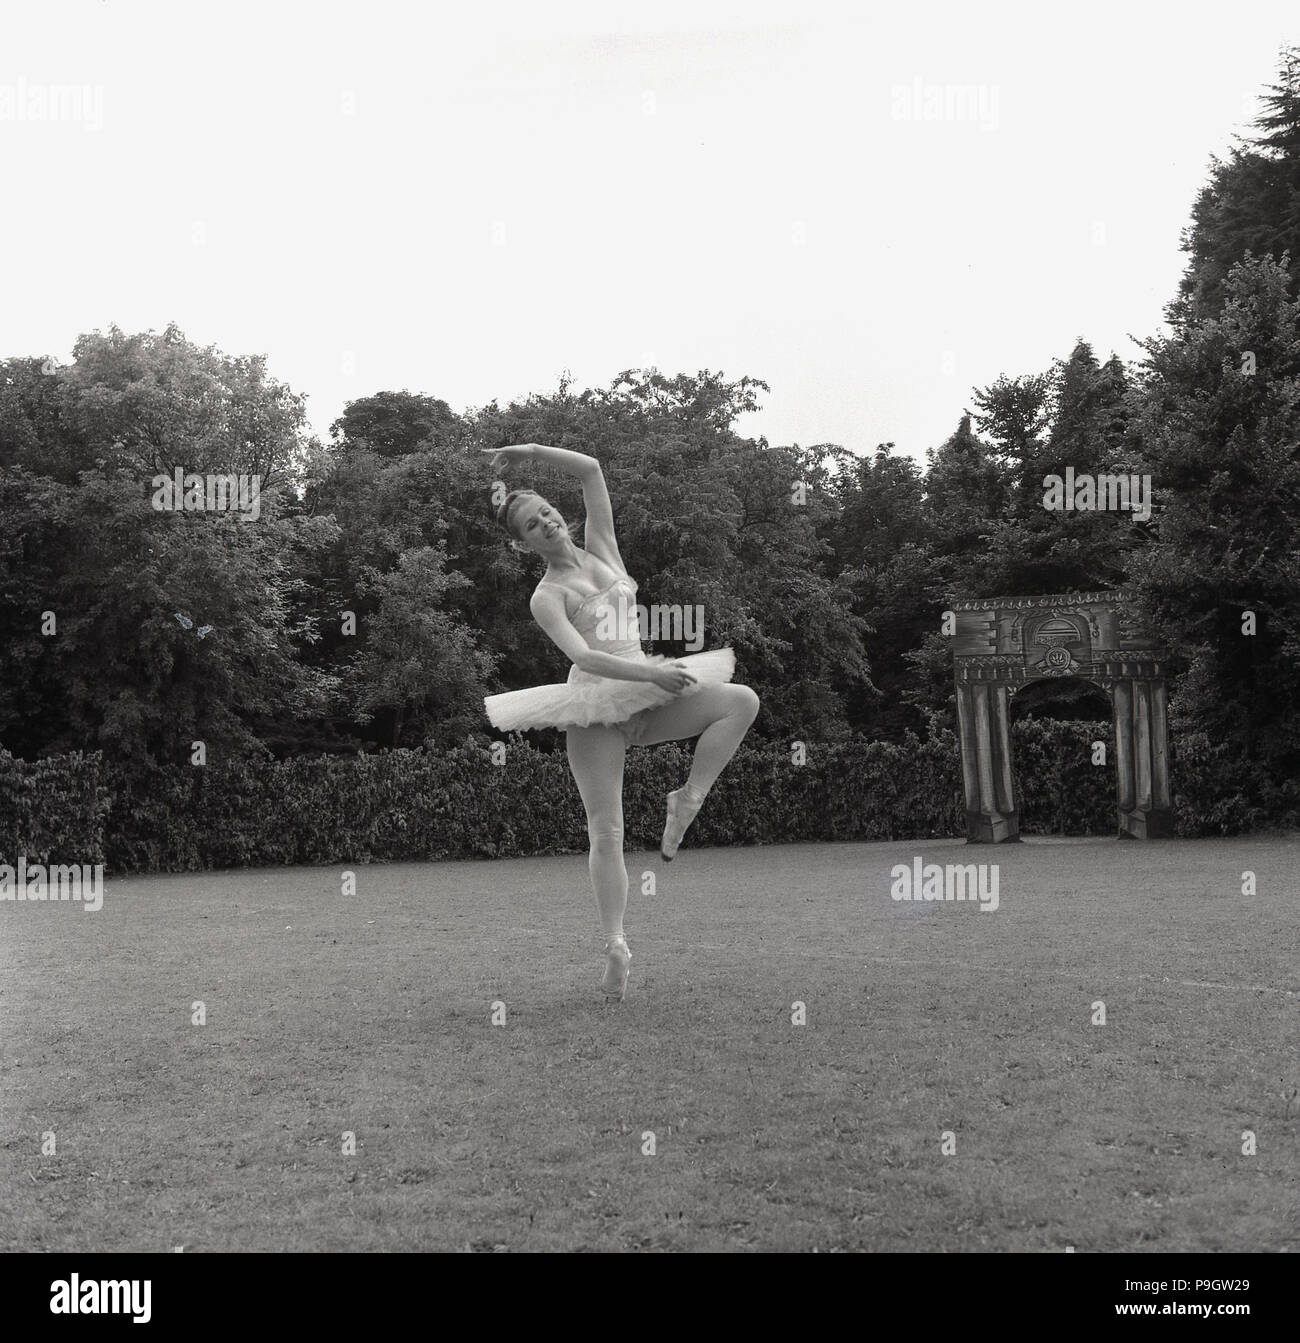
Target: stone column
(1161,797)
(1125,787)
(1141,759)
(983,720)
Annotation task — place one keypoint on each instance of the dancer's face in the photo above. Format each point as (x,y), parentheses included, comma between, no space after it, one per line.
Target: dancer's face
(539,526)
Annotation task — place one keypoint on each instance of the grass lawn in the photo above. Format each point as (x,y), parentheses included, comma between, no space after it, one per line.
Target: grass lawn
(371,1014)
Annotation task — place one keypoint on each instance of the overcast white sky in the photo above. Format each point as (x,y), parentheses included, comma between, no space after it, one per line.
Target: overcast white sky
(466,200)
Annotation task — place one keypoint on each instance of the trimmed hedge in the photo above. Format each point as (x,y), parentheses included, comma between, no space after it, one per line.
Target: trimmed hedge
(52,810)
(419,804)
(416,804)
(1218,793)
(1061,791)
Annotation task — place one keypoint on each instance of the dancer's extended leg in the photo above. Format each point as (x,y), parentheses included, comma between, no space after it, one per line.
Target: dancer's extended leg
(596,757)
(719,715)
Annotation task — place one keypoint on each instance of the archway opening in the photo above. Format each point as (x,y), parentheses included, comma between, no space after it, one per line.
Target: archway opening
(1062,751)
(1065,698)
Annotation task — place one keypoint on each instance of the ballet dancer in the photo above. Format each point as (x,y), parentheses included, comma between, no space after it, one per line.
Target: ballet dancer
(616,695)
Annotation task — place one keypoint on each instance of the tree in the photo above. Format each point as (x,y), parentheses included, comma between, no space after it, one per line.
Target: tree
(152,403)
(419,662)
(34,428)
(966,495)
(393,424)
(164,627)
(1251,203)
(1014,414)
(883,538)
(1074,417)
(1220,425)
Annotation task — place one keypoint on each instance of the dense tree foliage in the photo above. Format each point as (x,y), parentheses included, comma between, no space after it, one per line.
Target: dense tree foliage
(1251,202)
(371,601)
(1220,428)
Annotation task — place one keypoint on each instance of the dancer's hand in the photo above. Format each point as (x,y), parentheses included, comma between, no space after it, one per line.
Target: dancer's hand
(510,456)
(673,676)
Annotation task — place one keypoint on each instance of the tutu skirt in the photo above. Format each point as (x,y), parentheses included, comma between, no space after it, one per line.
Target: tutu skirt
(585,699)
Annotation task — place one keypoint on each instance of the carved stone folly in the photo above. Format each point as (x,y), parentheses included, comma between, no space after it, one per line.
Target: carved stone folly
(1001,644)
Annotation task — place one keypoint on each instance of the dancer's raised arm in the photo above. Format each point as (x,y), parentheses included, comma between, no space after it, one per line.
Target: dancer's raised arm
(599,535)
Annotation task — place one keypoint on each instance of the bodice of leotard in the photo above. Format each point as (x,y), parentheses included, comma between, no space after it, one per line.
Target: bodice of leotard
(608,620)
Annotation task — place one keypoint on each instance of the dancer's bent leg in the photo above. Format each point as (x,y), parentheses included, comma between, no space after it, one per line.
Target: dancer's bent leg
(596,758)
(719,715)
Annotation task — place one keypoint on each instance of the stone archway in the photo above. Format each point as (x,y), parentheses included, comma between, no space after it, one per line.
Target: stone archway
(1001,644)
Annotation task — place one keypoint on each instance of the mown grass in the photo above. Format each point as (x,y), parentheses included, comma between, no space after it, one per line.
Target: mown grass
(371,1014)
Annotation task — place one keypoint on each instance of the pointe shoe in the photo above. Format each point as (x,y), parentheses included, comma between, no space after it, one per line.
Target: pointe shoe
(614,983)
(681,812)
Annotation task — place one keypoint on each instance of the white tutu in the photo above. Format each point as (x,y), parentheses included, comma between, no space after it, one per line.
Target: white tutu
(585,699)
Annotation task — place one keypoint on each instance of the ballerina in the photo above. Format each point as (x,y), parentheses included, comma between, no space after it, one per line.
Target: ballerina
(616,696)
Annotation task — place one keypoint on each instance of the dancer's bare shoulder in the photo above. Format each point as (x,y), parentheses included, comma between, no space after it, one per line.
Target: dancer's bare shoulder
(548,595)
